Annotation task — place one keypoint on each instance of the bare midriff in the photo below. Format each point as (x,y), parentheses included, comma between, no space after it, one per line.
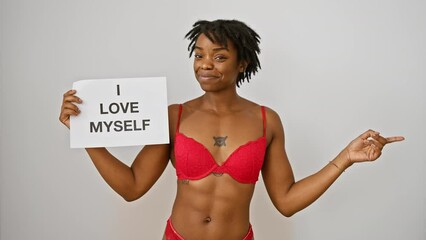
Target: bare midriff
(215,207)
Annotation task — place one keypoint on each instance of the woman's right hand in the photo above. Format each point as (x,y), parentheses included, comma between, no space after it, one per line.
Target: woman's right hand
(69,107)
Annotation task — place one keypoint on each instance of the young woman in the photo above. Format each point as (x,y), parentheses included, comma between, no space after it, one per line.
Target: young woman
(219,143)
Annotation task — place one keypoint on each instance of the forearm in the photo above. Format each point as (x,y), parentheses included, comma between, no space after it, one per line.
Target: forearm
(304,192)
(118,175)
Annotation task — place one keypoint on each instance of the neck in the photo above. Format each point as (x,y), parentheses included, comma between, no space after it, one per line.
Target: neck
(221,101)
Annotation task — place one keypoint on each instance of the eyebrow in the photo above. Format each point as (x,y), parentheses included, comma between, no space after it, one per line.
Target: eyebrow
(214,49)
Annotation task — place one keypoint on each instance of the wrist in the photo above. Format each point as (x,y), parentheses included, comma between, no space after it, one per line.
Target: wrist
(343,160)
(348,157)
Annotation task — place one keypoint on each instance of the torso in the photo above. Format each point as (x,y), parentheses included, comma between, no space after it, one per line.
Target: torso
(216,206)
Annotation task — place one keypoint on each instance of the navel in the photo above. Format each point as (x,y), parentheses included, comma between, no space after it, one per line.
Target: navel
(207,220)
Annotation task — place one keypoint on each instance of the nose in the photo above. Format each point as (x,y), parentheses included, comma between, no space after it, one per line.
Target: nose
(206,64)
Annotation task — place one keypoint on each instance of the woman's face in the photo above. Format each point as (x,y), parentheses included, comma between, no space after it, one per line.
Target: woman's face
(216,67)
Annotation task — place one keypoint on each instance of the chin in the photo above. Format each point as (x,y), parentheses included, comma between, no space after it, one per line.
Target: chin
(207,88)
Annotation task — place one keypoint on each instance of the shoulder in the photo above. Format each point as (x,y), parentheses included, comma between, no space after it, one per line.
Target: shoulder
(271,115)
(274,125)
(173,110)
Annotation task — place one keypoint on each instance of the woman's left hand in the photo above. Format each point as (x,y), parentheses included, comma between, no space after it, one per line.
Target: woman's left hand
(368,146)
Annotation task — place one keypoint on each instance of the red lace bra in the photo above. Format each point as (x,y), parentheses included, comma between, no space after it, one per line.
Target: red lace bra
(193,160)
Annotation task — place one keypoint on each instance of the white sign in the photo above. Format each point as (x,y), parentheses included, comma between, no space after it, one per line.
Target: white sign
(120,112)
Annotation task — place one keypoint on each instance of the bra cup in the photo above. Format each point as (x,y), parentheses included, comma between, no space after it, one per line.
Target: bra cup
(245,165)
(194,161)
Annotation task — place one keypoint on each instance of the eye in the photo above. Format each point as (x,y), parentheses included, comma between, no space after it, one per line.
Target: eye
(220,58)
(198,56)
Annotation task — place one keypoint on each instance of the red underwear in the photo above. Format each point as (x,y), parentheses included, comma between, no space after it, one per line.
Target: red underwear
(172,234)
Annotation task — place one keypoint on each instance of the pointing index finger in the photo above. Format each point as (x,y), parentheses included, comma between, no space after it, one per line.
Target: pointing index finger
(380,139)
(395,139)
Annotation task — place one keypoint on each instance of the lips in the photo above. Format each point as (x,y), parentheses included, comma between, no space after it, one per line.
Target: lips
(207,76)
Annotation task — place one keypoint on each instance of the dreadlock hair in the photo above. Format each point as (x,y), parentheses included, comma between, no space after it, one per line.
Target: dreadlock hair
(245,39)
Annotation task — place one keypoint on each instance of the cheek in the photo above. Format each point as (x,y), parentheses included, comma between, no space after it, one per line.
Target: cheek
(230,69)
(197,63)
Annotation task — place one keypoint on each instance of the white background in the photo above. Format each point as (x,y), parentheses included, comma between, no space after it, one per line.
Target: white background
(331,69)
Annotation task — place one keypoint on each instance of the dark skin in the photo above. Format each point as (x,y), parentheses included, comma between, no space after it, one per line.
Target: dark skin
(217,206)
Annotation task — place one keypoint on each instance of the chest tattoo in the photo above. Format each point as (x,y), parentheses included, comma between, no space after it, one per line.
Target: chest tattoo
(220,141)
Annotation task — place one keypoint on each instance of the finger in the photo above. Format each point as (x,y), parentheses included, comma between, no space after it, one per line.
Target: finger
(70,92)
(373,152)
(368,142)
(369,133)
(380,139)
(377,143)
(67,110)
(395,139)
(369,152)
(72,98)
(66,113)
(70,106)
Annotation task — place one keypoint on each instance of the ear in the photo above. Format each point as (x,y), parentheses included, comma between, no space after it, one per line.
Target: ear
(243,65)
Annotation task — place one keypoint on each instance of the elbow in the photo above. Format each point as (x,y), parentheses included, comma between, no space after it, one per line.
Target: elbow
(287,212)
(131,196)
(129,199)
(286,208)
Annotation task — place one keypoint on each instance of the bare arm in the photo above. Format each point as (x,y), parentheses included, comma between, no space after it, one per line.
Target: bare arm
(130,182)
(289,196)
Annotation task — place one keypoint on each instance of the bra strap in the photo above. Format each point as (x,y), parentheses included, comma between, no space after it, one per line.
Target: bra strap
(264,120)
(179,115)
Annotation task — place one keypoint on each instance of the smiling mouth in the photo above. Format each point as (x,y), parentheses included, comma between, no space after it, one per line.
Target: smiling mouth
(207,77)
